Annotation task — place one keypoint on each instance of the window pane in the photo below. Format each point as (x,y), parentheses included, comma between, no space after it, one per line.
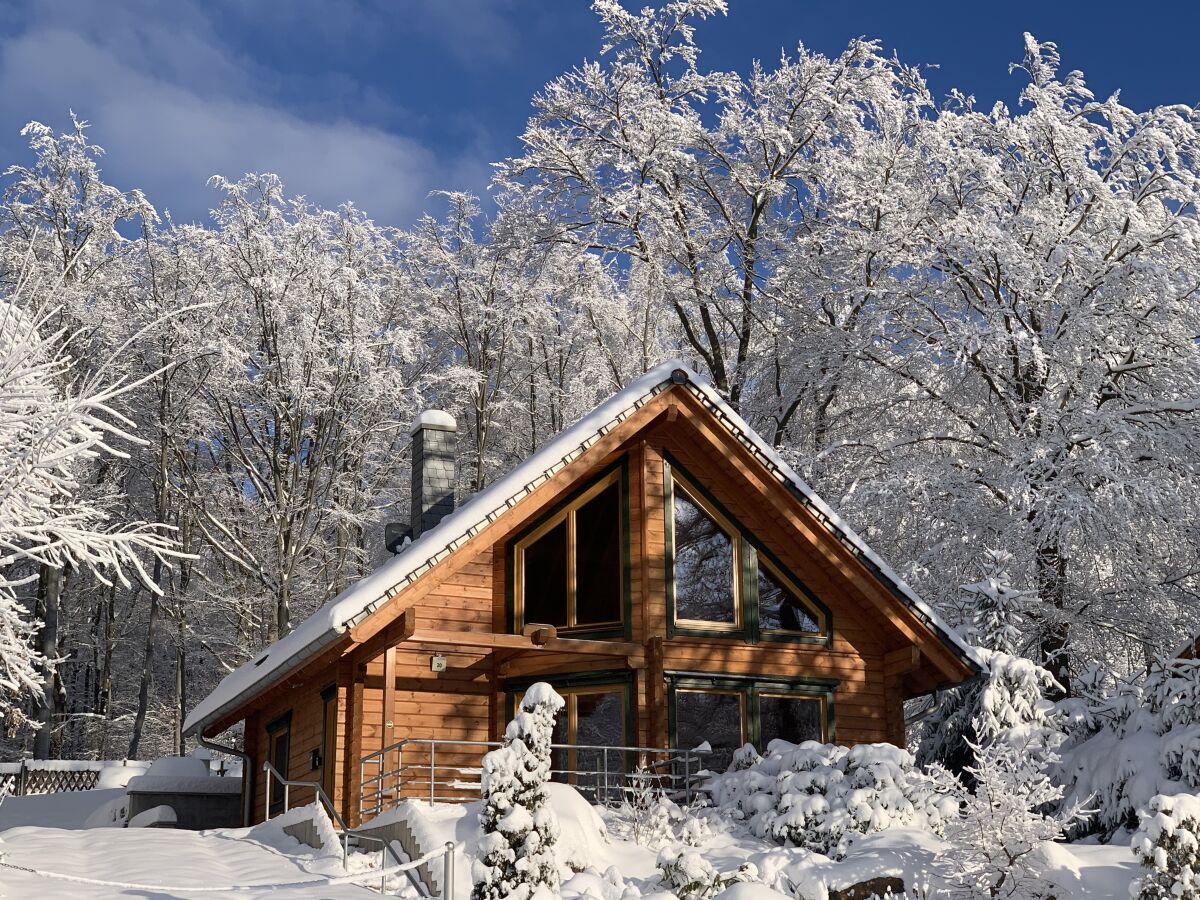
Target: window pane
(600,718)
(545,574)
(780,608)
(704,574)
(598,558)
(794,719)
(708,716)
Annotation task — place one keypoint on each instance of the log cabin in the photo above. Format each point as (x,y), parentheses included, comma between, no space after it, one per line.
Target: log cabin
(657,562)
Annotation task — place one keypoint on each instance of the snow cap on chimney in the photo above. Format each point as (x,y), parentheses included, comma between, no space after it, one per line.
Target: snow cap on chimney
(434,418)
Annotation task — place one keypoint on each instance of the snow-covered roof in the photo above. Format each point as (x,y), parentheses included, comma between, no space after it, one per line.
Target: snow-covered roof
(357,602)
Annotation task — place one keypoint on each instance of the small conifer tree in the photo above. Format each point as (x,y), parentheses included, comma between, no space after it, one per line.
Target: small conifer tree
(519,827)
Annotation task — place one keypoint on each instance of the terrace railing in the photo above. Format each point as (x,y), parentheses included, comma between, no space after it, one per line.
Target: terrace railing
(446,771)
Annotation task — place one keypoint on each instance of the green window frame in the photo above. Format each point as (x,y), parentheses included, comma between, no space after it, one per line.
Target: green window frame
(749,554)
(752,691)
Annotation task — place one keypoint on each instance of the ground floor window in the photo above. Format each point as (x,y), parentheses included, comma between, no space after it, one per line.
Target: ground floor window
(594,722)
(278,753)
(727,714)
(328,737)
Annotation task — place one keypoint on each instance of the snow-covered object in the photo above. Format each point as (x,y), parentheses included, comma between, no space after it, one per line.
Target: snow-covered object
(1000,608)
(119,775)
(1013,705)
(183,775)
(358,601)
(520,829)
(821,796)
(692,877)
(1168,844)
(434,418)
(161,816)
(1139,740)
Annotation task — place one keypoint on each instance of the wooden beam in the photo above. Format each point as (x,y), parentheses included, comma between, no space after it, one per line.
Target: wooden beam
(389,696)
(539,634)
(400,629)
(352,677)
(521,642)
(656,687)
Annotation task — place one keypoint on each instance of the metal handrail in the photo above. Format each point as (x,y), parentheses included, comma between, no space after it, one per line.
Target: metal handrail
(339,822)
(379,778)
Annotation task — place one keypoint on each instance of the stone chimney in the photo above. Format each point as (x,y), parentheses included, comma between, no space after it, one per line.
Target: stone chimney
(432,469)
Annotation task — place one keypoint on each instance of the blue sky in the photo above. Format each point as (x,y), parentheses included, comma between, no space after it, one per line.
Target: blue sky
(382,101)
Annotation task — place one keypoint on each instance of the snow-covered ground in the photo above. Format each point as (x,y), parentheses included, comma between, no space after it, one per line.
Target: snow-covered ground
(45,833)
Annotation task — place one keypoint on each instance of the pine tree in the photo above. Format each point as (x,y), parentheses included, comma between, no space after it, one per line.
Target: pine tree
(520,829)
(1000,608)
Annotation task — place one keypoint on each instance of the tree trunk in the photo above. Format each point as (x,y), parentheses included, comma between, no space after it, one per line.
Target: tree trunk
(1055,629)
(139,719)
(48,595)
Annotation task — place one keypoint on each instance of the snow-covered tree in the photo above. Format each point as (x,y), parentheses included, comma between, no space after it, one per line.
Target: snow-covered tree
(51,425)
(1168,844)
(1139,739)
(999,835)
(1000,608)
(519,826)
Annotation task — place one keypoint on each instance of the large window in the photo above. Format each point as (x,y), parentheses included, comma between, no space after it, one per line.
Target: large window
(723,581)
(569,571)
(726,714)
(593,720)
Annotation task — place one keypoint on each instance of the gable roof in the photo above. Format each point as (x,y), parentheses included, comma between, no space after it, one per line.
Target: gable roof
(335,618)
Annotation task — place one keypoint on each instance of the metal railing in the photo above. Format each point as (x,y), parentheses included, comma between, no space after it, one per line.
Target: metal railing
(345,833)
(451,771)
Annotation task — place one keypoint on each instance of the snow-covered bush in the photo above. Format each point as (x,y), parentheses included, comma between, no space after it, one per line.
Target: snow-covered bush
(820,796)
(1138,740)
(692,877)
(647,816)
(1168,844)
(1001,831)
(520,829)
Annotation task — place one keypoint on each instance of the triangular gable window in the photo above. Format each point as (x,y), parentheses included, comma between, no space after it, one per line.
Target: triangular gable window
(723,580)
(570,568)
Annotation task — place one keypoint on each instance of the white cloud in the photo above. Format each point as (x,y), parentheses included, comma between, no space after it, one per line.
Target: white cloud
(173,110)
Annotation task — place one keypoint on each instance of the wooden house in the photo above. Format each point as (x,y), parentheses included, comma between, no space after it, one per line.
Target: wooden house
(657,562)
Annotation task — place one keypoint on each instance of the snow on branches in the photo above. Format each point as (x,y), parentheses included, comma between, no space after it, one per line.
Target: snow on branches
(51,425)
(1168,844)
(520,828)
(820,796)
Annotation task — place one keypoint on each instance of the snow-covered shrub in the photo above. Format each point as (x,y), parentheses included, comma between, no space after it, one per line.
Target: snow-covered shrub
(999,837)
(1168,844)
(647,816)
(646,812)
(1140,739)
(1008,703)
(819,796)
(517,851)
(692,877)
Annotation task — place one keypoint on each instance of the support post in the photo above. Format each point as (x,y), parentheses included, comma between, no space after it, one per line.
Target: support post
(448,872)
